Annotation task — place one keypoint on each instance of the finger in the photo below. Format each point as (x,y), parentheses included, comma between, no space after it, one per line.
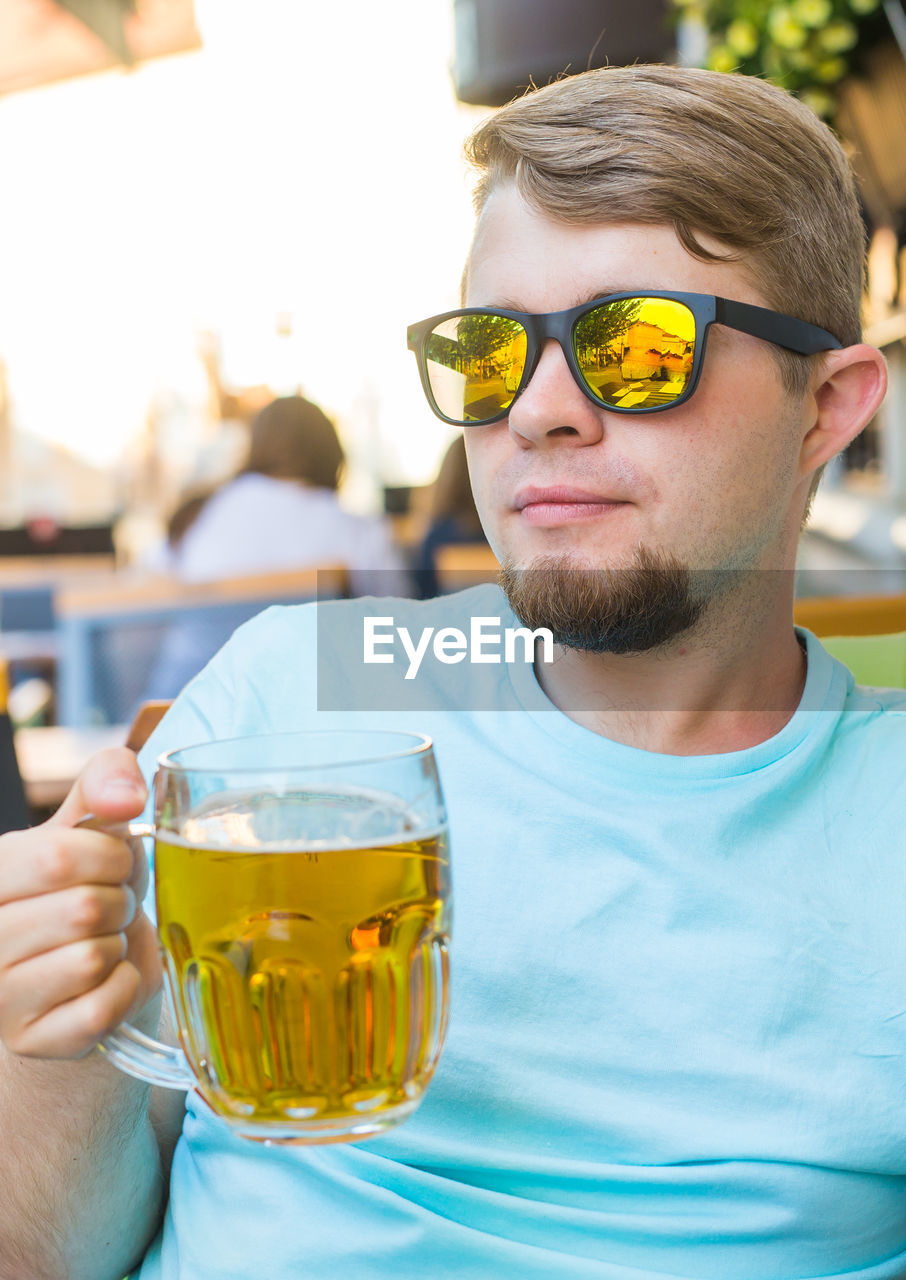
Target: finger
(144,954)
(111,786)
(73,1029)
(34,925)
(50,1006)
(48,859)
(140,877)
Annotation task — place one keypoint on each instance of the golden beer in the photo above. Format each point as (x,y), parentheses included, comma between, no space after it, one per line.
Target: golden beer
(309,977)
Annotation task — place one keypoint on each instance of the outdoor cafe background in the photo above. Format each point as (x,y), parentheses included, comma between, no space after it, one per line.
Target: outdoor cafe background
(259,212)
(264,210)
(288,195)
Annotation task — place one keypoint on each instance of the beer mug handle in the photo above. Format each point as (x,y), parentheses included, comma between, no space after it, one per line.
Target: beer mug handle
(128,1048)
(146,1058)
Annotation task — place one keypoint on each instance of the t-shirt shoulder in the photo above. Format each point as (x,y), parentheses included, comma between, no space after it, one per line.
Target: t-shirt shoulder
(884,702)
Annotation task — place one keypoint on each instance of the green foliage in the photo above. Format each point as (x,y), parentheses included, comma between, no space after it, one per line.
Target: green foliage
(598,328)
(480,337)
(807,46)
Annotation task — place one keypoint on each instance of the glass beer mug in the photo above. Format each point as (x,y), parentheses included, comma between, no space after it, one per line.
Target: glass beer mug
(302,884)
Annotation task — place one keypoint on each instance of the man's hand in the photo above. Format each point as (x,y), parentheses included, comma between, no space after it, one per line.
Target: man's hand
(77,953)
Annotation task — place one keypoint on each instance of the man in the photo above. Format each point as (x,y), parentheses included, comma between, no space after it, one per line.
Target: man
(677,1032)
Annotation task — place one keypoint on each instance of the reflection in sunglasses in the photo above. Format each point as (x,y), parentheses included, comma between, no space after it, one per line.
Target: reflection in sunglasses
(647,354)
(475,363)
(631,352)
(648,341)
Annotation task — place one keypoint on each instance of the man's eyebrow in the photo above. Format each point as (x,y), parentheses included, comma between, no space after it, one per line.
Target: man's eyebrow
(507,304)
(609,292)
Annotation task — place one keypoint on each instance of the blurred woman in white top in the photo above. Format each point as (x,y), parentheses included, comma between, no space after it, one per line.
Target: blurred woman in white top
(281,511)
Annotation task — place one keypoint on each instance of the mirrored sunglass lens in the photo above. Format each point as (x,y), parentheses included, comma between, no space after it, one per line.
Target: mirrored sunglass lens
(474,365)
(636,353)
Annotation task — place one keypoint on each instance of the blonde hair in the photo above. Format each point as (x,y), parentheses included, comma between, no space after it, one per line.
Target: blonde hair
(726,155)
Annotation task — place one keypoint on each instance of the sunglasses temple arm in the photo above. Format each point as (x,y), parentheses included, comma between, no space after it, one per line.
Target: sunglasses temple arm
(772,326)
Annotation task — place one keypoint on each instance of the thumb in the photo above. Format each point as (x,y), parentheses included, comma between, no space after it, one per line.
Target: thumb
(110,787)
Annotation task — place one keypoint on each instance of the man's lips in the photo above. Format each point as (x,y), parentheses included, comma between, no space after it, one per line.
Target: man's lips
(562,504)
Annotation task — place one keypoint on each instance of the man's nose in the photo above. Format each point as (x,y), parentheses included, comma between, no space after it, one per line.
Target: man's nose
(552,411)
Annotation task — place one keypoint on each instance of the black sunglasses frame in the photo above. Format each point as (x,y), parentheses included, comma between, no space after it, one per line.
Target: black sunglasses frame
(707,309)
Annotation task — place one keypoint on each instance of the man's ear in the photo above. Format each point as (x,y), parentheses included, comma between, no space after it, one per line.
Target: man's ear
(848,393)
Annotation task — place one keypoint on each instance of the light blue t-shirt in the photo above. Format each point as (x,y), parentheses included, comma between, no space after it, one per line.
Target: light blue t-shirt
(677,1042)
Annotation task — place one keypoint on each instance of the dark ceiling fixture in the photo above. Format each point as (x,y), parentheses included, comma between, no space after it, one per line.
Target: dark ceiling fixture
(46,41)
(105,18)
(504,46)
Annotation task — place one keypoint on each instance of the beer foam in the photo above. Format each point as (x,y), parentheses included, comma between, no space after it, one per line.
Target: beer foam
(204,840)
(302,821)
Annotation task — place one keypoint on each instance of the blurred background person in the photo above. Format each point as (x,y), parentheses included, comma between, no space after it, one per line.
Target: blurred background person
(282,511)
(452,517)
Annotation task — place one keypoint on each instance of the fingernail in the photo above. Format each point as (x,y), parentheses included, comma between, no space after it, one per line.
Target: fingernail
(130,904)
(120,788)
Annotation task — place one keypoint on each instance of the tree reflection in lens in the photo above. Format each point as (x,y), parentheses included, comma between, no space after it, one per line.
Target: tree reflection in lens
(632,352)
(474,364)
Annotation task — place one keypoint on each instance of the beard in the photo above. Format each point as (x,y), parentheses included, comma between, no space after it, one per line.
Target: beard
(629,610)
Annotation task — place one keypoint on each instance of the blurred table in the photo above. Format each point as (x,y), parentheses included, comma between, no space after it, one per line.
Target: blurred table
(30,646)
(50,759)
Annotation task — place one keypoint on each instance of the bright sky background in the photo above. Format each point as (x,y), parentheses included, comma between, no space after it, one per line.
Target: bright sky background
(306,161)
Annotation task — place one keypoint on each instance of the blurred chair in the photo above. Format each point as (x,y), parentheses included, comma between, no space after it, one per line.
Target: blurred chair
(867,634)
(465,565)
(851,615)
(28,641)
(873,660)
(35,558)
(126,642)
(145,721)
(43,539)
(27,608)
(451,518)
(14,814)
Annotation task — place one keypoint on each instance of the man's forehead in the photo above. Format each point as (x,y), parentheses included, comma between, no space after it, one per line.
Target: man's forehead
(515,241)
(523,260)
(512,289)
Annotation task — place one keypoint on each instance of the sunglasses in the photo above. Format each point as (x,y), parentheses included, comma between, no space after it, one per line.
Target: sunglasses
(628,352)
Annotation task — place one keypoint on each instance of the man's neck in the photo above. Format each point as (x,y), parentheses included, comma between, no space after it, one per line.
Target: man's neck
(698,696)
